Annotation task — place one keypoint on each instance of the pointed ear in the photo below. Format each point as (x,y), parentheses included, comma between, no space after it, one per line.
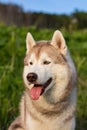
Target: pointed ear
(58,42)
(30,42)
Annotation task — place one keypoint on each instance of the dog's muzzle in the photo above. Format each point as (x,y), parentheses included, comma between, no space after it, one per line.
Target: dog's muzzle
(38,89)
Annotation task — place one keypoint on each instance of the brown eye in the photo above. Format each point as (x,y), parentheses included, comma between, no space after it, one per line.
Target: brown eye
(31,63)
(46,62)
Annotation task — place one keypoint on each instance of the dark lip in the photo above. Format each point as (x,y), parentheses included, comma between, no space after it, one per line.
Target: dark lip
(44,86)
(47,82)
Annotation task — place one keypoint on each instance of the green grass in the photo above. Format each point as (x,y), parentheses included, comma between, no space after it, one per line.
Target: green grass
(12,51)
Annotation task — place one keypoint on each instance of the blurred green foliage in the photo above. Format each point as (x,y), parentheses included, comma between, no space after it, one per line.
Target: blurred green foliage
(12,51)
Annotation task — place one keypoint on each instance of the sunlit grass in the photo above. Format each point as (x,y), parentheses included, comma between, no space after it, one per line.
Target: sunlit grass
(12,51)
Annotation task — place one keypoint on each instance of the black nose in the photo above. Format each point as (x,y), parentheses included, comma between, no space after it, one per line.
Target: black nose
(32,77)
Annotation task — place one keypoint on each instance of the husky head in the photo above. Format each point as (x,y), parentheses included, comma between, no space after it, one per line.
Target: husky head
(45,66)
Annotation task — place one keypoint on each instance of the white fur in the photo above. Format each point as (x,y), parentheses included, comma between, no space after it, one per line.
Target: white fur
(63,78)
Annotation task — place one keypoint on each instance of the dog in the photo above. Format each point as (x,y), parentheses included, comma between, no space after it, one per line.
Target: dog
(49,75)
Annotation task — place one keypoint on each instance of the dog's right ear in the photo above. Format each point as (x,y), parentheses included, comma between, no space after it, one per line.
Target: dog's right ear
(30,42)
(58,42)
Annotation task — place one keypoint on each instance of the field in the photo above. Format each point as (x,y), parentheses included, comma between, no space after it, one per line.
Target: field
(12,51)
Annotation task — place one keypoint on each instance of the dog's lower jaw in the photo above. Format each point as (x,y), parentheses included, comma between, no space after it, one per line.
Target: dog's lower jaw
(41,111)
(38,115)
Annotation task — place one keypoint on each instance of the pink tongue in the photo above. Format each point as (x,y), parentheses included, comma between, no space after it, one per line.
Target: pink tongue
(35,92)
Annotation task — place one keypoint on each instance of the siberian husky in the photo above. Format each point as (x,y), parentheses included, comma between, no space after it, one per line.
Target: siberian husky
(49,100)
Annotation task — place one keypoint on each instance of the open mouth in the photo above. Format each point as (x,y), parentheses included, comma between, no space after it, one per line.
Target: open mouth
(38,89)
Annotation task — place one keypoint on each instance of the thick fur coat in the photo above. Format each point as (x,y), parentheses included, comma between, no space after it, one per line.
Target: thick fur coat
(49,100)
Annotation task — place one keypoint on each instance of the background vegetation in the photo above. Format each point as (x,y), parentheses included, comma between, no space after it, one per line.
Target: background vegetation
(12,51)
(15,15)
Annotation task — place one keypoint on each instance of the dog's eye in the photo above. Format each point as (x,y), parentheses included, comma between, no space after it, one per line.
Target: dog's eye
(31,63)
(46,62)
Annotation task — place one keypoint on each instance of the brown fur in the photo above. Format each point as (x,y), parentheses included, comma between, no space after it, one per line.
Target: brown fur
(47,48)
(55,109)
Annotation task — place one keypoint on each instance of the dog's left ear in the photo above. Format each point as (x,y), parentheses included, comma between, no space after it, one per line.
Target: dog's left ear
(58,42)
(30,42)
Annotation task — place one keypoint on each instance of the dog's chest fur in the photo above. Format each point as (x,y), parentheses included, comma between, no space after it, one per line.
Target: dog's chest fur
(40,115)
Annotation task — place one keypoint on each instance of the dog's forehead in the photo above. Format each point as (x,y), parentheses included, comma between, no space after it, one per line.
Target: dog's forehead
(42,56)
(46,51)
(43,50)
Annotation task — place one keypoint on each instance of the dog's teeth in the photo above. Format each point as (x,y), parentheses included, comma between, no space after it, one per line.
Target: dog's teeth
(30,86)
